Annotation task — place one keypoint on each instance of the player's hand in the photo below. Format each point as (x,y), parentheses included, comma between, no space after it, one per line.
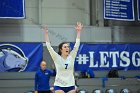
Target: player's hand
(79,26)
(45,29)
(36,91)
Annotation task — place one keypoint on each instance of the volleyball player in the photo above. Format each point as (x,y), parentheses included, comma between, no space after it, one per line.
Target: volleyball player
(64,62)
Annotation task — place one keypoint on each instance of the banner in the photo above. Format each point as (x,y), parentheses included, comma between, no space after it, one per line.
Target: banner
(138,5)
(119,10)
(20,57)
(108,56)
(12,9)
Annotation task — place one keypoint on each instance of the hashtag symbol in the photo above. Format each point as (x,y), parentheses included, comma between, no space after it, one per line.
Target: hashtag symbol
(82,59)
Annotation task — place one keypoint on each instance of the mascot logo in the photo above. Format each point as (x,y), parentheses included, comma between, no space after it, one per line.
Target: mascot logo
(12,58)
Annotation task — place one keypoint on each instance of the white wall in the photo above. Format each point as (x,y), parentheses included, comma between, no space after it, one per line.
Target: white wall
(57,12)
(126,34)
(57,34)
(60,12)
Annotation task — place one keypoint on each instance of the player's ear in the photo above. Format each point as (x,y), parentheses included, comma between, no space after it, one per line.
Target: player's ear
(60,49)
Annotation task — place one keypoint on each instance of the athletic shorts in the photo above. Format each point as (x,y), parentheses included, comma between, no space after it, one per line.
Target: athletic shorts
(65,89)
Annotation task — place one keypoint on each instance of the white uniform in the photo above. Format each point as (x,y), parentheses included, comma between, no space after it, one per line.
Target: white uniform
(64,67)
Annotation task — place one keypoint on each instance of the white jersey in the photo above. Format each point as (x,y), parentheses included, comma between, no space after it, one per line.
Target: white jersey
(64,67)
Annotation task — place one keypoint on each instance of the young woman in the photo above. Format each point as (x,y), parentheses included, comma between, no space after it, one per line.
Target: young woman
(64,63)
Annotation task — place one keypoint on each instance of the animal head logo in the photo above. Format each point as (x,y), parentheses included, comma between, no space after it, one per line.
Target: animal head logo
(12,58)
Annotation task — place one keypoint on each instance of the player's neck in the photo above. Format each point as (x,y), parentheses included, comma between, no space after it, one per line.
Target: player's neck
(64,56)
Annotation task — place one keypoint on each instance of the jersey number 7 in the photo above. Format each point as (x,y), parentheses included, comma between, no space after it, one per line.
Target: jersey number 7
(66,66)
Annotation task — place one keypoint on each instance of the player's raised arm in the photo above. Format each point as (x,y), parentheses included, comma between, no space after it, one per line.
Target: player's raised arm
(78,29)
(50,49)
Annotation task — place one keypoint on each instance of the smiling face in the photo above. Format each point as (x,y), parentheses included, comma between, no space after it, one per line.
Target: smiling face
(64,49)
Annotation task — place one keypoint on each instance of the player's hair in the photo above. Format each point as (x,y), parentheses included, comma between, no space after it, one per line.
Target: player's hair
(60,47)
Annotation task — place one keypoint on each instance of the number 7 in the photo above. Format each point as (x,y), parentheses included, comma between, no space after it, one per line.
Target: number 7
(66,66)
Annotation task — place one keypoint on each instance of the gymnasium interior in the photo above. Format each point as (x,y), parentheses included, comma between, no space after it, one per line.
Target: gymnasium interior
(111,33)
